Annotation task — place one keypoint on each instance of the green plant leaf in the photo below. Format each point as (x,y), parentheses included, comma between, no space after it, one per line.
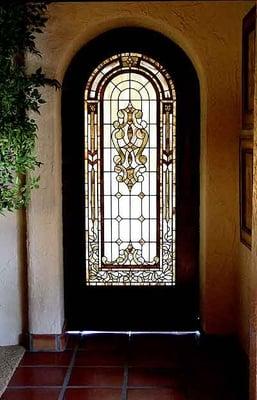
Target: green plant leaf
(19,94)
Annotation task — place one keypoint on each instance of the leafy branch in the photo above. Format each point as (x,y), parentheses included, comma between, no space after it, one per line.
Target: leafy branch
(19,95)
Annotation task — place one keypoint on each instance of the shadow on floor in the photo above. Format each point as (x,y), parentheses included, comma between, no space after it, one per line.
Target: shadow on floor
(133,367)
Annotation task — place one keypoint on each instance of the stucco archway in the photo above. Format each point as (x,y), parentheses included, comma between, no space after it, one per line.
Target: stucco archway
(61,41)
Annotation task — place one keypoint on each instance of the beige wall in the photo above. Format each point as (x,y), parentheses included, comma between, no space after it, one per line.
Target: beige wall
(210,33)
(45,270)
(244,287)
(10,280)
(247,278)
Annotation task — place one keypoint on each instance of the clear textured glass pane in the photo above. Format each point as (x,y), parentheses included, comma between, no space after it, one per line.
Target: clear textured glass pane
(149,230)
(107,231)
(153,162)
(125,95)
(139,78)
(114,108)
(115,251)
(110,207)
(146,112)
(109,89)
(145,251)
(136,207)
(122,77)
(107,135)
(136,231)
(110,183)
(146,206)
(125,230)
(124,203)
(115,233)
(107,112)
(150,90)
(146,184)
(153,207)
(124,84)
(152,250)
(108,251)
(107,160)
(153,136)
(152,111)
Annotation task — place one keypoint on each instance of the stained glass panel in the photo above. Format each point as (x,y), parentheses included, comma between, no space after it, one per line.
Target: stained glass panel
(130,173)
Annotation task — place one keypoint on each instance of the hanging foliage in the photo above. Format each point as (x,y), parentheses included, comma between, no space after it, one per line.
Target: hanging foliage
(19,95)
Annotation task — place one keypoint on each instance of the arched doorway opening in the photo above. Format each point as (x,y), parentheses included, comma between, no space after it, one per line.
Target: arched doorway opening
(112,128)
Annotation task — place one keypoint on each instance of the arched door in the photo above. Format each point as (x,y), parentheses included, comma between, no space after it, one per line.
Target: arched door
(131,184)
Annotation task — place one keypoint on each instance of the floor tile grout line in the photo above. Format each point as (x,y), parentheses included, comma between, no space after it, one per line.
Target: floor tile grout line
(125,381)
(67,365)
(104,386)
(125,384)
(45,366)
(68,386)
(94,386)
(68,373)
(34,387)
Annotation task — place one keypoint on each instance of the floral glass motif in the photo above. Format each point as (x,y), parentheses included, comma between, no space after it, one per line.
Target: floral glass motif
(130,173)
(129,162)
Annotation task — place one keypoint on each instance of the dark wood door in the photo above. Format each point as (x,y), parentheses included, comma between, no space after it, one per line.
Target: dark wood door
(152,308)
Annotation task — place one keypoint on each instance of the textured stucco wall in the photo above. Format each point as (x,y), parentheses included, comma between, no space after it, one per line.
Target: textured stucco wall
(45,271)
(210,33)
(244,284)
(246,274)
(10,281)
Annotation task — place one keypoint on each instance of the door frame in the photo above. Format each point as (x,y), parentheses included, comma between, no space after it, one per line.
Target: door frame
(157,46)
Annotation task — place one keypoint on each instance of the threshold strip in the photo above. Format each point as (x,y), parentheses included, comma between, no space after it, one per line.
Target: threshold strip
(130,333)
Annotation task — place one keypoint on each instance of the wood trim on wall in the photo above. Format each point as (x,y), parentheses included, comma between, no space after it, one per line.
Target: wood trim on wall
(246,189)
(248,67)
(246,135)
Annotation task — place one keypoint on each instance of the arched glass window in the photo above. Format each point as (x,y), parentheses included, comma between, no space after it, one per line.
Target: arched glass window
(130,173)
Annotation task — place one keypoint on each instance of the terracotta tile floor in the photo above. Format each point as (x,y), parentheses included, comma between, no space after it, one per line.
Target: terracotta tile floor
(135,367)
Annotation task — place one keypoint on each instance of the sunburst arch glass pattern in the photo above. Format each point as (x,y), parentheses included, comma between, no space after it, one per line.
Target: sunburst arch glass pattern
(130,173)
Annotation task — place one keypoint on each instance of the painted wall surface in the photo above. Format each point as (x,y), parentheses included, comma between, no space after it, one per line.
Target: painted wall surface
(244,287)
(10,281)
(210,33)
(45,271)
